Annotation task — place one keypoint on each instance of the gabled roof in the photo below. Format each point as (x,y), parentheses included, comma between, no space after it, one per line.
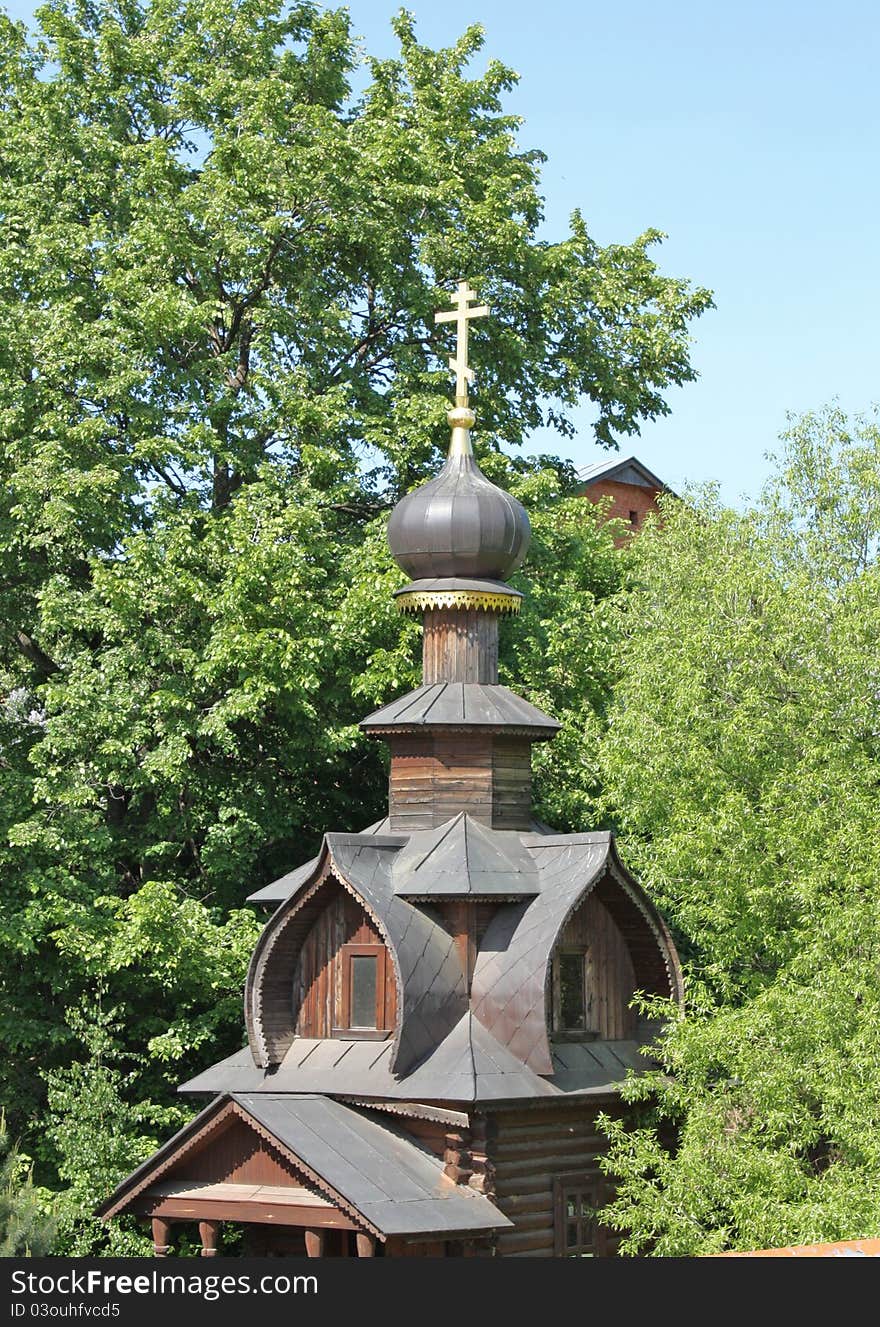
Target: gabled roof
(464,858)
(284,888)
(362,1163)
(398,1186)
(461,705)
(628,470)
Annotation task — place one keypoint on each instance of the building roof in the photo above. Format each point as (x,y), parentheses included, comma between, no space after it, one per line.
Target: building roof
(289,883)
(357,1159)
(540,879)
(464,858)
(431,989)
(461,705)
(851,1248)
(510,982)
(398,1186)
(628,470)
(468,1067)
(459,523)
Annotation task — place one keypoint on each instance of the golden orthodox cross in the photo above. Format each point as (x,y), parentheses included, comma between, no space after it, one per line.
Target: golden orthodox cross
(460,316)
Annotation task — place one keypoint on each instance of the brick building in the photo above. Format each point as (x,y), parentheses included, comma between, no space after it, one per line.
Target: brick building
(631,486)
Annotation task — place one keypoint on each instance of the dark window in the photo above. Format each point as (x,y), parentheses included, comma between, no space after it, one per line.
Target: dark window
(578,1200)
(364,975)
(572,993)
(634,518)
(572,1016)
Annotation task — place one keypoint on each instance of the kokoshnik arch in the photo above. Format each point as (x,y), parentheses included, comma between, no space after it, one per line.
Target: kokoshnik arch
(440,1005)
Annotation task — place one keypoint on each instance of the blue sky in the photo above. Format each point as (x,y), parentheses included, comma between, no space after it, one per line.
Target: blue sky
(750,133)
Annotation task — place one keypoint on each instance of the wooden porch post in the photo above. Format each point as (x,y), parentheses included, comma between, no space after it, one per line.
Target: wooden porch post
(314,1243)
(161,1237)
(208,1232)
(366,1245)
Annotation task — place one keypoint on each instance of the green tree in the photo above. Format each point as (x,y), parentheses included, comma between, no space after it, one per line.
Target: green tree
(218,368)
(742,762)
(27,1224)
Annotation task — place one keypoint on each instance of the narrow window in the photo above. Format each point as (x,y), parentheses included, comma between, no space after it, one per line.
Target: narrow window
(361,1009)
(364,980)
(634,518)
(572,993)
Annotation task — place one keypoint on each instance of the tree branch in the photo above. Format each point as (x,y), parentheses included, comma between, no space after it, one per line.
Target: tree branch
(32,652)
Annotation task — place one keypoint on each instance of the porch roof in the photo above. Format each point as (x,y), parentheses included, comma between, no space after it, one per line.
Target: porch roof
(347,1156)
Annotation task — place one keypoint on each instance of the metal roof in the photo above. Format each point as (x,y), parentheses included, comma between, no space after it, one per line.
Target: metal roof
(461,705)
(397,1185)
(282,889)
(287,884)
(539,879)
(470,1066)
(510,975)
(459,524)
(626,470)
(463,857)
(510,981)
(362,1159)
(432,995)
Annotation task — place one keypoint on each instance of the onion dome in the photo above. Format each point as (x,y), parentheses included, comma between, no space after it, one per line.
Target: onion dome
(459,525)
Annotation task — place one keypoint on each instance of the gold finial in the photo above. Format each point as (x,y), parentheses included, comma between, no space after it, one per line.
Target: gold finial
(460,315)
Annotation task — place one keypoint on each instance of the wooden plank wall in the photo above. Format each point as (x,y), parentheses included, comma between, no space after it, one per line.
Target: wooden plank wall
(235,1154)
(317,979)
(279,977)
(641,942)
(611,978)
(459,646)
(528,1148)
(434,777)
(511,783)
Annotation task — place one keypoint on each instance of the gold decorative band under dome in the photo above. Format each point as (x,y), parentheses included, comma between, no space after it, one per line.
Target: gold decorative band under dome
(422,601)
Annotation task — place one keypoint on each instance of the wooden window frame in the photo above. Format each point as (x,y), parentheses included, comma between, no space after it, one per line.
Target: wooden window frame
(345,1031)
(578,1182)
(558,1032)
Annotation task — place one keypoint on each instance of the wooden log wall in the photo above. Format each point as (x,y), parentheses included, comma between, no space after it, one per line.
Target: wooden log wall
(528,1150)
(434,777)
(317,993)
(611,978)
(459,646)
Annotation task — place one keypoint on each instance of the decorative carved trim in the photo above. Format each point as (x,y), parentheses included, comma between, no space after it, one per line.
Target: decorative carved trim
(265,1055)
(312,1175)
(422,601)
(657,926)
(186,1145)
(226,1109)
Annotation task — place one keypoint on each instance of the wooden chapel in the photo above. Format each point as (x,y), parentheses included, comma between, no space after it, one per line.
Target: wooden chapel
(439,1006)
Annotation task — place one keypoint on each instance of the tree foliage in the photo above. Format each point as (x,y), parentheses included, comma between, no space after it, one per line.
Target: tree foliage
(27,1223)
(743,762)
(224,236)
